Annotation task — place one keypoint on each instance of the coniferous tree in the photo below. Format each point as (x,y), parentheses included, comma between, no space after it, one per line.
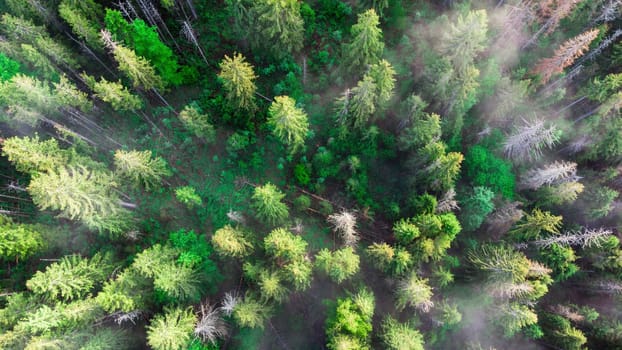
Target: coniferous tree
(71,278)
(250,313)
(267,203)
(171,330)
(197,122)
(288,122)
(356,106)
(119,97)
(284,245)
(565,55)
(401,336)
(18,241)
(229,241)
(140,167)
(31,155)
(415,292)
(238,79)
(366,46)
(277,25)
(339,265)
(465,38)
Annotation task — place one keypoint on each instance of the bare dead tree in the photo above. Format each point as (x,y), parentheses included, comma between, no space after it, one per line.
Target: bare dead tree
(550,174)
(585,239)
(188,32)
(529,140)
(610,11)
(228,303)
(447,202)
(211,326)
(344,223)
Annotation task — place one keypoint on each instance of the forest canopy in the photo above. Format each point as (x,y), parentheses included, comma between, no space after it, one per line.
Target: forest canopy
(310,174)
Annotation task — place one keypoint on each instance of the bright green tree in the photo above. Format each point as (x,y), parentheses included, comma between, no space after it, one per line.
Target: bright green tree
(401,336)
(138,69)
(32,155)
(271,286)
(171,330)
(18,241)
(278,25)
(383,75)
(475,206)
(70,278)
(238,79)
(68,95)
(8,67)
(288,122)
(284,245)
(357,105)
(119,97)
(140,168)
(339,265)
(189,196)
(267,203)
(515,317)
(366,46)
(229,241)
(537,222)
(80,24)
(197,122)
(250,313)
(78,193)
(298,273)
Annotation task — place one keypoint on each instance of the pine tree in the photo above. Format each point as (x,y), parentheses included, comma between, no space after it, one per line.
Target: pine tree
(140,167)
(127,293)
(197,123)
(339,265)
(271,286)
(288,122)
(171,330)
(298,273)
(400,336)
(514,317)
(71,278)
(278,25)
(250,313)
(76,191)
(80,24)
(565,55)
(138,69)
(465,38)
(18,241)
(357,105)
(31,155)
(383,75)
(267,203)
(119,97)
(229,241)
(68,95)
(284,245)
(238,79)
(366,46)
(566,192)
(500,263)
(189,196)
(381,255)
(537,222)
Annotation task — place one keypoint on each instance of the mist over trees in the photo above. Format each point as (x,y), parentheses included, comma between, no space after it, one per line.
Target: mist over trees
(317,174)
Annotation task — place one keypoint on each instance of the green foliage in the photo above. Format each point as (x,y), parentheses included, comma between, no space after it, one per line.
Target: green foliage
(381,255)
(171,330)
(80,23)
(18,241)
(277,26)
(500,263)
(119,97)
(238,79)
(339,265)
(483,168)
(197,123)
(302,203)
(400,336)
(127,293)
(140,168)
(138,69)
(251,313)
(288,122)
(145,40)
(514,317)
(366,46)
(560,259)
(350,324)
(284,245)
(475,206)
(70,278)
(229,241)
(405,231)
(8,68)
(302,173)
(560,332)
(32,155)
(271,286)
(299,273)
(267,203)
(537,222)
(189,196)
